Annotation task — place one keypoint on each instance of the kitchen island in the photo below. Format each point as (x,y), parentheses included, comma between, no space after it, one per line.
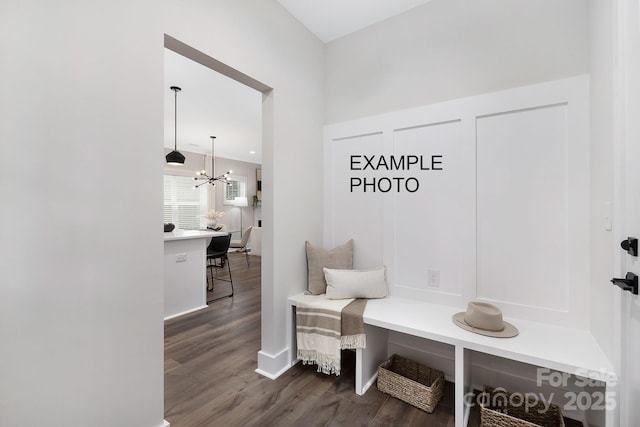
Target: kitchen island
(185,262)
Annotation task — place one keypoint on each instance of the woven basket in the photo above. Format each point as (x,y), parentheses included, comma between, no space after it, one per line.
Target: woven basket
(499,409)
(411,382)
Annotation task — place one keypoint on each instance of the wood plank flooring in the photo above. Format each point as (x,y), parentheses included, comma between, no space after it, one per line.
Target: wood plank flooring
(211,355)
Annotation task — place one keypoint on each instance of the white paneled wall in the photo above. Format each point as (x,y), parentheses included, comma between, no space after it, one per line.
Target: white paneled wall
(433,225)
(357,215)
(522,207)
(495,207)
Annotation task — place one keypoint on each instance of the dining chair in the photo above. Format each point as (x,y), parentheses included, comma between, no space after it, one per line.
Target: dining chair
(217,252)
(242,244)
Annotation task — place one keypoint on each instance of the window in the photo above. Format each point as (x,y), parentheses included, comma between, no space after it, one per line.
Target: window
(184,206)
(235,188)
(232,190)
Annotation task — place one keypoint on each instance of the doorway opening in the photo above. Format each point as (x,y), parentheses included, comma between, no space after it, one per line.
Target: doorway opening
(255,183)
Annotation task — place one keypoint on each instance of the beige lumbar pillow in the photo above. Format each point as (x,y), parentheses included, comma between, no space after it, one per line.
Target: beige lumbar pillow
(317,258)
(356,283)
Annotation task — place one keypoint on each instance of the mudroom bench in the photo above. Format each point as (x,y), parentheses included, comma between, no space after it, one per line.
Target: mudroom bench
(568,350)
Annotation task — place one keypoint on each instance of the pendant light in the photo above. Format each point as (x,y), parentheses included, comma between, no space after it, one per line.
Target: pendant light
(175,157)
(202,175)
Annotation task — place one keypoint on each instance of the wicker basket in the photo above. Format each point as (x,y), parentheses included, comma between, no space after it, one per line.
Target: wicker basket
(499,409)
(411,382)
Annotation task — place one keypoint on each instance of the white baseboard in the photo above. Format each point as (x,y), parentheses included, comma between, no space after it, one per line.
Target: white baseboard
(272,366)
(369,383)
(186,312)
(166,424)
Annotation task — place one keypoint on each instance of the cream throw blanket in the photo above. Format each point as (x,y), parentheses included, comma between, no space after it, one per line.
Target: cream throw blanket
(325,326)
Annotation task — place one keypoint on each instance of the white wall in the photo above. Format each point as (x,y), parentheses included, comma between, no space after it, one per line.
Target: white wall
(260,39)
(449,49)
(602,134)
(456,48)
(81,296)
(81,288)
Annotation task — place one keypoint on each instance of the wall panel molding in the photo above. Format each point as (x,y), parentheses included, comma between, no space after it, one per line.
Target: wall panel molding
(511,196)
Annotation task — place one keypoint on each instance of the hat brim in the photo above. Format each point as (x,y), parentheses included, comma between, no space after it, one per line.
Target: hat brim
(509,330)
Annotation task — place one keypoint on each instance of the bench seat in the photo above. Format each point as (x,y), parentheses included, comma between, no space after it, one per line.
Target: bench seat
(569,350)
(564,349)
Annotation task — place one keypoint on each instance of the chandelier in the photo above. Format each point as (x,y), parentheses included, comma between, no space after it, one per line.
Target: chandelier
(211,179)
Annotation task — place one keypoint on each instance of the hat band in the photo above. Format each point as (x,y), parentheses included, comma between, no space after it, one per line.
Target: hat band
(483,329)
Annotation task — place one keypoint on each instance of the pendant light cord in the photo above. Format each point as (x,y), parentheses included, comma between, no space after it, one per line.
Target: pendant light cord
(213,157)
(175,90)
(175,119)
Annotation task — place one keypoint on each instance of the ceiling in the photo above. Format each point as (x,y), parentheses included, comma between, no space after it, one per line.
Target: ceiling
(331,19)
(213,104)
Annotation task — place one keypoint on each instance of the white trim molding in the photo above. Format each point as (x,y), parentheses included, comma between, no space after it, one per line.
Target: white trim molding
(272,366)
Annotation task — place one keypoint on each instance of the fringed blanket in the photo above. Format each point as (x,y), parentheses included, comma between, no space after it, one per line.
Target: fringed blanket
(325,326)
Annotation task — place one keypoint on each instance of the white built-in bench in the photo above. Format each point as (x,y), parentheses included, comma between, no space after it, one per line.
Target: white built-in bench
(569,350)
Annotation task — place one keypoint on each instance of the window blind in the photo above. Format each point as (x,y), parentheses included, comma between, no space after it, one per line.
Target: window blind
(184,206)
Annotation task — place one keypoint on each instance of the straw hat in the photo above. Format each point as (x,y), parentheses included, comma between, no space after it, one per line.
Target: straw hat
(485,319)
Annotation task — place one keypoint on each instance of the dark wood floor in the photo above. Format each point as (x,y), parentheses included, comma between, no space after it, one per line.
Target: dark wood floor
(211,355)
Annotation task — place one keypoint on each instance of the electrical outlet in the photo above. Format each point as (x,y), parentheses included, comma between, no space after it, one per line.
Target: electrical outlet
(181,257)
(433,278)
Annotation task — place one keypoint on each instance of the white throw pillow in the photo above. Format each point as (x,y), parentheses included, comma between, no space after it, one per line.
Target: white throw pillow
(356,283)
